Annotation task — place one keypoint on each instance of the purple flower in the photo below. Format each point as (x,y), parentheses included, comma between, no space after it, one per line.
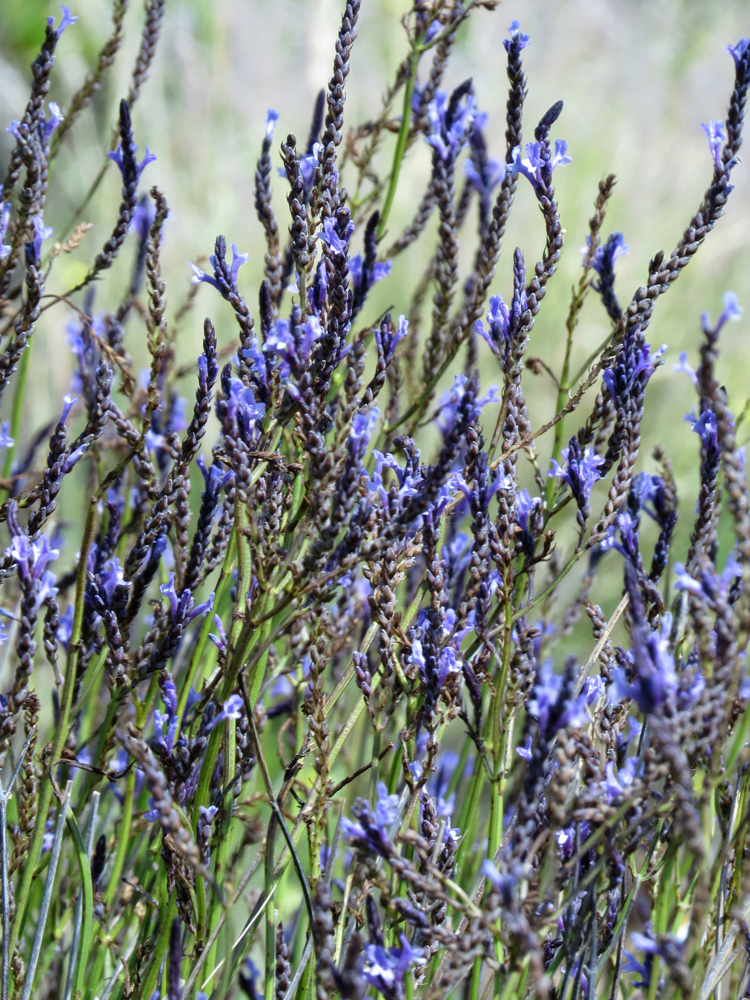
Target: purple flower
(484,181)
(32,558)
(143,217)
(148,157)
(386,810)
(655,680)
(499,322)
(66,19)
(449,135)
(238,259)
(172,722)
(533,165)
(381,270)
(338,244)
(580,472)
(544,703)
(112,577)
(627,529)
(447,664)
(642,362)
(619,781)
(731,311)
(516,36)
(55,117)
(711,585)
(687,369)
(307,166)
(220,640)
(293,346)
(370,832)
(738,51)
(668,948)
(605,256)
(233,708)
(215,478)
(242,408)
(169,696)
(4,220)
(363,425)
(181,607)
(706,428)
(525,750)
(716,137)
(271,118)
(386,343)
(6,441)
(450,400)
(385,968)
(408,480)
(41,232)
(526,507)
(504,884)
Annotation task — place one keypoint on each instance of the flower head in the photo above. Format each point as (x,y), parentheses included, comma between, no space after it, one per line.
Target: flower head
(293,345)
(41,232)
(639,365)
(717,135)
(738,51)
(337,242)
(484,177)
(55,117)
(148,157)
(66,20)
(6,441)
(4,220)
(517,38)
(271,118)
(363,425)
(182,607)
(580,471)
(731,311)
(451,400)
(451,123)
(381,270)
(710,585)
(706,428)
(385,968)
(536,162)
(233,708)
(387,341)
(238,259)
(370,832)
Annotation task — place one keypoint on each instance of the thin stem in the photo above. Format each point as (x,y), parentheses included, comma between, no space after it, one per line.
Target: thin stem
(47,897)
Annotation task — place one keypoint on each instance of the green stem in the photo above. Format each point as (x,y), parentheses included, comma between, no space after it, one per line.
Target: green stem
(61,730)
(198,660)
(17,411)
(167,913)
(403,135)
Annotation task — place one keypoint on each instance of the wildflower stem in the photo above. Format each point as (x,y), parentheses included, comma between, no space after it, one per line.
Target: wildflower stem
(197,660)
(17,411)
(403,135)
(82,929)
(563,386)
(167,912)
(61,730)
(47,897)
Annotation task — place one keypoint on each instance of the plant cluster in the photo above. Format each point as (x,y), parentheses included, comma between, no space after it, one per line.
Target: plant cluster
(287,710)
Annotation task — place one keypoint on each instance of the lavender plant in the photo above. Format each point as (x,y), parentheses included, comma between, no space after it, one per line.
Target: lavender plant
(348,720)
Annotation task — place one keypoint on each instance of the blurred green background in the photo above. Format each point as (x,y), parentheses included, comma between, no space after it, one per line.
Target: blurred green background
(637,79)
